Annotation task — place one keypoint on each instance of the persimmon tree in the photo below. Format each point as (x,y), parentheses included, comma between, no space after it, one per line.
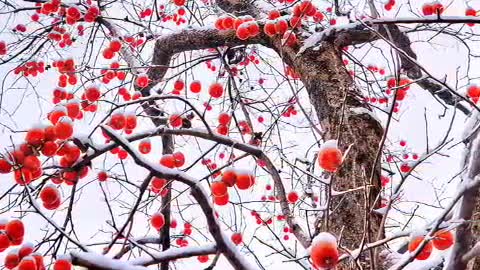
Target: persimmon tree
(239,134)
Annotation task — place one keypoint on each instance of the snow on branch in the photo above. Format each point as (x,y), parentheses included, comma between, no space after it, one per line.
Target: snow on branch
(469,202)
(96,261)
(174,253)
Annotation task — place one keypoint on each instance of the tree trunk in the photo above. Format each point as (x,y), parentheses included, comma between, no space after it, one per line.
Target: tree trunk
(333,95)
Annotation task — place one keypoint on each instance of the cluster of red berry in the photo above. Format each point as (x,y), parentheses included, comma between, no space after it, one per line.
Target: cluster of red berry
(114,47)
(442,240)
(114,72)
(31,68)
(67,70)
(241,179)
(432,8)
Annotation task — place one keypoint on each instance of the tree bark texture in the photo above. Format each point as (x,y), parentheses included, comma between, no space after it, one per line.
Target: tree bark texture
(333,95)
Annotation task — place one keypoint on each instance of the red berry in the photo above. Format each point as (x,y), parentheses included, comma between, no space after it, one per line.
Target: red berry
(229,177)
(168,161)
(130,121)
(157,221)
(224,119)
(324,251)
(179,2)
(427,9)
(118,121)
(405,168)
(73,109)
(273,14)
(4,241)
(228,22)
(219,189)
(31,162)
(203,258)
(195,87)
(62,264)
(221,200)
(92,93)
(236,238)
(215,90)
(289,39)
(222,130)
(253,29)
(292,197)
(145,146)
(219,24)
(108,53)
(102,176)
(425,252)
(473,91)
(178,85)
(281,27)
(25,250)
(27,263)
(158,183)
(115,45)
(245,181)
(270,29)
(35,136)
(176,120)
(243,33)
(49,194)
(443,239)
(64,128)
(5,166)
(179,159)
(142,81)
(15,229)
(12,259)
(330,157)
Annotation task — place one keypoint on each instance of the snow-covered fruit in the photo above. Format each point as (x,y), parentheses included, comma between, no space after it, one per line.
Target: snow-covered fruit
(50,197)
(415,242)
(242,179)
(324,251)
(245,27)
(329,156)
(443,239)
(62,263)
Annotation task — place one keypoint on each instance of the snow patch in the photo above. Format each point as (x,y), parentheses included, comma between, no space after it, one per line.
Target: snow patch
(329,144)
(361,110)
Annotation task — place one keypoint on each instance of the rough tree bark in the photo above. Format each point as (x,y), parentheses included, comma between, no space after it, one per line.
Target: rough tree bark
(338,102)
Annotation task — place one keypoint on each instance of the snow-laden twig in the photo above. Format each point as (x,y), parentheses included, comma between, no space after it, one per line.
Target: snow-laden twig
(92,260)
(175,253)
